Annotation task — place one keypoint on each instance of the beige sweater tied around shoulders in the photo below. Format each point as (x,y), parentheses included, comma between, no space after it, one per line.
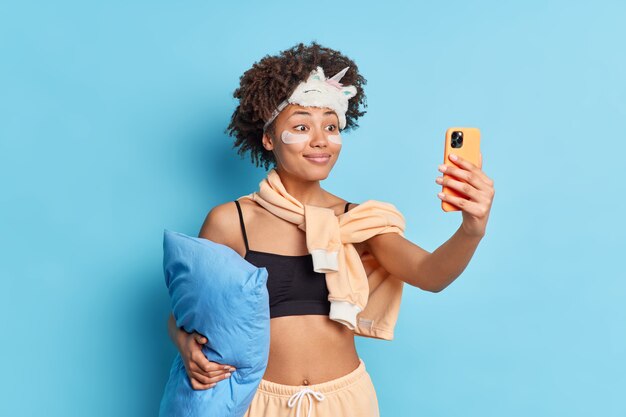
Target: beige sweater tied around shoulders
(363,295)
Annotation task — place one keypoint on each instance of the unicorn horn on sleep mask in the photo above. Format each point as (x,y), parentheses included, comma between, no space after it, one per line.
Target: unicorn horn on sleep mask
(317,91)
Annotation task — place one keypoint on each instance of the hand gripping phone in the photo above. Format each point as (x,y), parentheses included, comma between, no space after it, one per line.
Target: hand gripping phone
(465,142)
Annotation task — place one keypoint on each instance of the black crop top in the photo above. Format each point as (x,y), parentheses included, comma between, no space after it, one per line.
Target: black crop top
(294,287)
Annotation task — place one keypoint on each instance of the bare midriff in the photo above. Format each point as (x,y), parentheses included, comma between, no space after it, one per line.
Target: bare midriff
(311,349)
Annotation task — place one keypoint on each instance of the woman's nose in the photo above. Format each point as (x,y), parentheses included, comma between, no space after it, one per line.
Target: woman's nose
(319,137)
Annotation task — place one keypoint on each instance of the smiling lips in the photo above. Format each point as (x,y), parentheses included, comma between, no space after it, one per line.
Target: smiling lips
(318,158)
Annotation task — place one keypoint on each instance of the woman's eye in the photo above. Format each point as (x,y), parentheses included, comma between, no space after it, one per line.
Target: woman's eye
(333,127)
(302,126)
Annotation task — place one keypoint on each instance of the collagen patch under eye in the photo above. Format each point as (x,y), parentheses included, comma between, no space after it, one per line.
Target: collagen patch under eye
(288,137)
(335,139)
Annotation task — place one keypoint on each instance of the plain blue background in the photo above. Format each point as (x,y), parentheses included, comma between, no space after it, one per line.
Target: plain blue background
(112,119)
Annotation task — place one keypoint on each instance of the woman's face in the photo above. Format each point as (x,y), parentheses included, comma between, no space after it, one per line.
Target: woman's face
(301,134)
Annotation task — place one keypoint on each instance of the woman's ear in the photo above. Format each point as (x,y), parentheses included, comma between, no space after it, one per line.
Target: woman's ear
(267,141)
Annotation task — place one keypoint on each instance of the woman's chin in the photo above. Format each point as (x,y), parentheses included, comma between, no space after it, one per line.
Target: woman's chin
(317,173)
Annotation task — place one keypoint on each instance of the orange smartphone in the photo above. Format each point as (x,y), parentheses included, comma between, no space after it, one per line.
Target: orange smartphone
(465,142)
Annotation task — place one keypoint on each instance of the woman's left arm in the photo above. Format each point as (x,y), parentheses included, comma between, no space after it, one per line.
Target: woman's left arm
(435,271)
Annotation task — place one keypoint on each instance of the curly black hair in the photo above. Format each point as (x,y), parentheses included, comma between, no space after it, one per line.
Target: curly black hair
(272,80)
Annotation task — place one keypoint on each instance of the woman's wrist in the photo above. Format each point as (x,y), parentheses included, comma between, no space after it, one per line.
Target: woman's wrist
(470,233)
(175,332)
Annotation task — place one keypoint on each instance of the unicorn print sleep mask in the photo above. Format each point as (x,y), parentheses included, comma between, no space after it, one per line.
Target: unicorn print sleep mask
(317,91)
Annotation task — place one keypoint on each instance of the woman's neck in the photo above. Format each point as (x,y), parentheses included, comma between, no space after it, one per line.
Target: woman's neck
(306,192)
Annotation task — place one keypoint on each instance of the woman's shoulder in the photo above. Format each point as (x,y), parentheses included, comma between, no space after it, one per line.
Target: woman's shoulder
(220,223)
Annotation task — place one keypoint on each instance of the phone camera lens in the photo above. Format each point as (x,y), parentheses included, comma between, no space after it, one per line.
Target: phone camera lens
(457,139)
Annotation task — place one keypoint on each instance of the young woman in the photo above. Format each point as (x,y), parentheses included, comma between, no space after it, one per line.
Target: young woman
(313,362)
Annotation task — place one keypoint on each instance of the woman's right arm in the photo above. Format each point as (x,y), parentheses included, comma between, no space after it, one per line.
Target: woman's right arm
(203,374)
(217,227)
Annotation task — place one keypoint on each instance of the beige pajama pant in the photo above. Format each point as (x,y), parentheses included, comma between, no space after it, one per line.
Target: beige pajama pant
(351,395)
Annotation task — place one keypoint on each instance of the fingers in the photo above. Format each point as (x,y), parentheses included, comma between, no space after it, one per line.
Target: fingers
(199,363)
(203,373)
(202,362)
(200,339)
(204,382)
(467,171)
(200,386)
(201,379)
(464,204)
(200,382)
(460,186)
(208,379)
(474,194)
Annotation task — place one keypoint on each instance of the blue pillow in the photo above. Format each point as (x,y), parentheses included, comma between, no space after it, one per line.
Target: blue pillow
(217,293)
